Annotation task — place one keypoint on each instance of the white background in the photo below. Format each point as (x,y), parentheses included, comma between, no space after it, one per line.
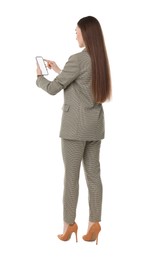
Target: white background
(132,154)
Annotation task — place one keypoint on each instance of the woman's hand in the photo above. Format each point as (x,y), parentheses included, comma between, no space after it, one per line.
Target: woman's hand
(39,72)
(53,65)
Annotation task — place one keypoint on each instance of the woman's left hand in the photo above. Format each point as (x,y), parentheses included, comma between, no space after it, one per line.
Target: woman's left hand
(38,70)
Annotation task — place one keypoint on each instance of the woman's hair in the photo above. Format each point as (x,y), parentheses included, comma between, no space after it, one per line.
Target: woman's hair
(94,42)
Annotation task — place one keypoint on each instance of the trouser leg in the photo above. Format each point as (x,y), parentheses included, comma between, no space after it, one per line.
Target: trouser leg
(72,152)
(92,174)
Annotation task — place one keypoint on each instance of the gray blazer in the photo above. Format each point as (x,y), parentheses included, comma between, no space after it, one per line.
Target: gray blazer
(82,118)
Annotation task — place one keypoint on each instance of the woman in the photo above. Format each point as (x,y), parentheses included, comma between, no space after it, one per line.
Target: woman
(85,80)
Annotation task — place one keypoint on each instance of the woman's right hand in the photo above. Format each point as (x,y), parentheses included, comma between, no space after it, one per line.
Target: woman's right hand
(53,65)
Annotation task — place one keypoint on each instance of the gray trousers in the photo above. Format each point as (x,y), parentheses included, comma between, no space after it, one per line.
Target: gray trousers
(74,152)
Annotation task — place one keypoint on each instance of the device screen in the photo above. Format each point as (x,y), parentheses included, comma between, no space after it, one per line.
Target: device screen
(42,65)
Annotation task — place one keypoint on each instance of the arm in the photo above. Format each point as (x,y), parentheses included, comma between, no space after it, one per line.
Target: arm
(63,80)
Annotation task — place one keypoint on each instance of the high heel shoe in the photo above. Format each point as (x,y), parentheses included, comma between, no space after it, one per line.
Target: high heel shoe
(93,233)
(72,228)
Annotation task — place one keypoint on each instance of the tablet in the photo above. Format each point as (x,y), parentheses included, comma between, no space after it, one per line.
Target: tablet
(42,65)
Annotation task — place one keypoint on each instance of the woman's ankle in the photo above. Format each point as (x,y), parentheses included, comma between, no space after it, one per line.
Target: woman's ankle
(65,227)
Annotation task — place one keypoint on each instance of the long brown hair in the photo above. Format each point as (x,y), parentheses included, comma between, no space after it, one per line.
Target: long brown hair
(94,42)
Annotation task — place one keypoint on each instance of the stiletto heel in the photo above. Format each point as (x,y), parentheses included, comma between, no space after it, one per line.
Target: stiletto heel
(76,236)
(72,228)
(93,233)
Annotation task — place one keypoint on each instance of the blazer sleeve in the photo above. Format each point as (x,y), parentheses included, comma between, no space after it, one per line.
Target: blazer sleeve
(69,73)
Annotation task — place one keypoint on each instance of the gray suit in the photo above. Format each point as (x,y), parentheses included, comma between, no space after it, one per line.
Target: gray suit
(82,119)
(82,128)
